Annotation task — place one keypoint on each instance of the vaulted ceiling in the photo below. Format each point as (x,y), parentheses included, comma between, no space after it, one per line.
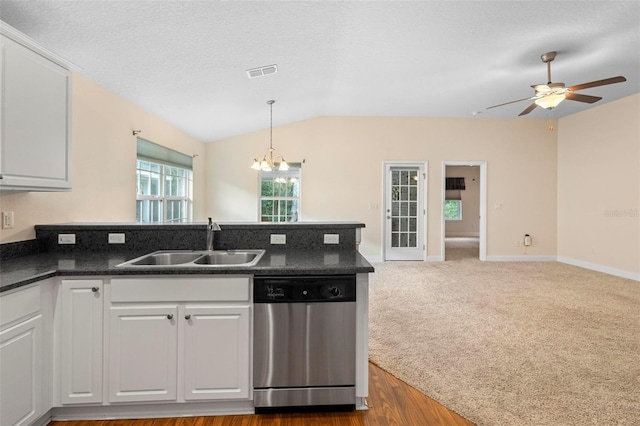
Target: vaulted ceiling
(186,61)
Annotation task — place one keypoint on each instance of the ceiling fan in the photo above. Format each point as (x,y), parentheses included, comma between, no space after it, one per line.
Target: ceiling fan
(550,95)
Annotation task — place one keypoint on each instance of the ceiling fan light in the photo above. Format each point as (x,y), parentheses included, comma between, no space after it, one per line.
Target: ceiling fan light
(550,101)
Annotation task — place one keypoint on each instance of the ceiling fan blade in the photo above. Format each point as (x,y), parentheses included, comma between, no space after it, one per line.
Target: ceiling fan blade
(582,98)
(612,80)
(507,103)
(529,109)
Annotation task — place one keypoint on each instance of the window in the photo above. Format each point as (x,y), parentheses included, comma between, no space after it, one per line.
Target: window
(453,209)
(163,184)
(280,195)
(453,198)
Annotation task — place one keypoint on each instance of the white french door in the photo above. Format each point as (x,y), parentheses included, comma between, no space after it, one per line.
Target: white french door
(404,209)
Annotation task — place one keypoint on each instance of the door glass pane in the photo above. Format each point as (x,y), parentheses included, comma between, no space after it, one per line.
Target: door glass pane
(413,208)
(404,210)
(413,181)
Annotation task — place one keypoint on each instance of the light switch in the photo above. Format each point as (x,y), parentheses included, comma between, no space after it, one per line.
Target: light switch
(7,220)
(278,239)
(332,238)
(116,238)
(66,238)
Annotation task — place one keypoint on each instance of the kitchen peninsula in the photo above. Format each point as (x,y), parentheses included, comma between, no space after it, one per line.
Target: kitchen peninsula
(85,316)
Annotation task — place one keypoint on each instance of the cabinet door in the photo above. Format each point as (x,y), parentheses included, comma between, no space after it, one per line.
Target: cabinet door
(143,353)
(21,373)
(34,139)
(216,357)
(81,342)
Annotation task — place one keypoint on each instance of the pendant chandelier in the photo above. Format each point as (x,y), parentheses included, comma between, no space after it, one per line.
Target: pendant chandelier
(269,161)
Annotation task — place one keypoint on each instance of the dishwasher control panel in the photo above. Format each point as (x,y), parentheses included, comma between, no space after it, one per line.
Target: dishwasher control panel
(324,288)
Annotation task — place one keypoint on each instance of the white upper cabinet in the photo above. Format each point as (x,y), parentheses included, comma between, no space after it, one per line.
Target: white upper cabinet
(35,115)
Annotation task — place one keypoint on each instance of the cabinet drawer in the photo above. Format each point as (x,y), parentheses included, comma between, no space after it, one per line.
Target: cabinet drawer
(20,304)
(184,289)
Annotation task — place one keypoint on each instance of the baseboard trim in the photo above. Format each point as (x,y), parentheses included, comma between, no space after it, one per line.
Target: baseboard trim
(44,420)
(522,258)
(600,268)
(152,410)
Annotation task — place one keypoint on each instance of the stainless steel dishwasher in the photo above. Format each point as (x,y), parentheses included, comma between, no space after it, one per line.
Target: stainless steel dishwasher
(304,342)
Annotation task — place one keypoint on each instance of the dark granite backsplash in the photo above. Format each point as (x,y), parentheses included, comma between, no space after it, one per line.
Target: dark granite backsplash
(152,237)
(297,239)
(20,248)
(135,240)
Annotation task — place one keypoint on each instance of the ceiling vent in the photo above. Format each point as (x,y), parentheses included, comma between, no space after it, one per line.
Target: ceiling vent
(262,71)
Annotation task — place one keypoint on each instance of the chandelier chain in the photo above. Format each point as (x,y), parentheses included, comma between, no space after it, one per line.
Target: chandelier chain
(268,161)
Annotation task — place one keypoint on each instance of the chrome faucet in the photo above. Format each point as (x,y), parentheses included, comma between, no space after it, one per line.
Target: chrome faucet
(210,228)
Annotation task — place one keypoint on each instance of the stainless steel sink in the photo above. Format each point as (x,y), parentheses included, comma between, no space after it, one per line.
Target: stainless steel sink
(226,258)
(195,259)
(166,258)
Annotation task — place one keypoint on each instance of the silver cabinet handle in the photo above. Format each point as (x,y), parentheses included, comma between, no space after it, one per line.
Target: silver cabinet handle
(170,316)
(95,289)
(187,317)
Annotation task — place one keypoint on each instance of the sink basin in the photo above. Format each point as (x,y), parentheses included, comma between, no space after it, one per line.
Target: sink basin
(166,259)
(194,259)
(226,258)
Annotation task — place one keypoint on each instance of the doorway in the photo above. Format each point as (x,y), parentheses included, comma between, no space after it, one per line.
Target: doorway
(404,211)
(463,218)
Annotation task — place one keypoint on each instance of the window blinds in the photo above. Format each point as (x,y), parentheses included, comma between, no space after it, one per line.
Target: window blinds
(454,184)
(159,154)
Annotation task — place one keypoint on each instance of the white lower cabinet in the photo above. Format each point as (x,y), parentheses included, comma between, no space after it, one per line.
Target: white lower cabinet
(216,352)
(143,353)
(179,339)
(20,358)
(81,310)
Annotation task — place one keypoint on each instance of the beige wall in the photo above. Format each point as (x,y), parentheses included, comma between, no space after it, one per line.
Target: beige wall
(599,187)
(469,226)
(583,180)
(103,154)
(342,175)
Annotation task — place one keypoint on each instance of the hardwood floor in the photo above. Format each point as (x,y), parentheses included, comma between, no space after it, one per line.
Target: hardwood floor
(391,402)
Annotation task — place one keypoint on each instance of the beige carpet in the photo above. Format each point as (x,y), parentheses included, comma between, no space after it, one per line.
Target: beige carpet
(517,343)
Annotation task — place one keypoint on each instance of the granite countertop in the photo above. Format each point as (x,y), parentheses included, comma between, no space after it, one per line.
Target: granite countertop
(20,271)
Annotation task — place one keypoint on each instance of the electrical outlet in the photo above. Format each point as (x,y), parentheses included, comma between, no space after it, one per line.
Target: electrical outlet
(7,220)
(278,239)
(332,238)
(66,238)
(116,238)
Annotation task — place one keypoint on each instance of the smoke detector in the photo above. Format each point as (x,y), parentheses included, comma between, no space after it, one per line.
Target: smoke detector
(262,71)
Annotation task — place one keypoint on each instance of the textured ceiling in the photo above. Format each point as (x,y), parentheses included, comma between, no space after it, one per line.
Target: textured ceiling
(185,61)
